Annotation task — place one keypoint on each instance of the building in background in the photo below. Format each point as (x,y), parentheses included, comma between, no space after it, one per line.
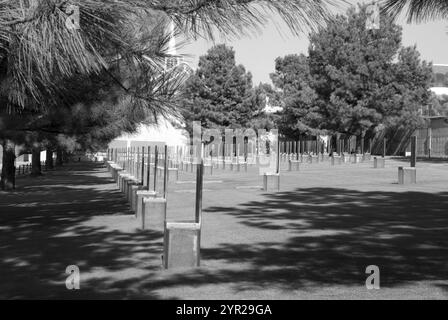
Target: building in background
(440,76)
(168,130)
(432,138)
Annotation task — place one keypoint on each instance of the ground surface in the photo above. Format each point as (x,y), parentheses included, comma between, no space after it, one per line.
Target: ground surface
(312,240)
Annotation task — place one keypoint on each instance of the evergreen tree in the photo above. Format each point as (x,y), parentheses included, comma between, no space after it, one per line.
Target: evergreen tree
(219,94)
(356,80)
(38,51)
(300,115)
(265,96)
(417,10)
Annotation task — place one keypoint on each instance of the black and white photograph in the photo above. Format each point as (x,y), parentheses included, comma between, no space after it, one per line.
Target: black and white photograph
(224,155)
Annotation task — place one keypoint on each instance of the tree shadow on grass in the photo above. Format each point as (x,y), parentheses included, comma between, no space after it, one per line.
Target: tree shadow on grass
(333,235)
(45,226)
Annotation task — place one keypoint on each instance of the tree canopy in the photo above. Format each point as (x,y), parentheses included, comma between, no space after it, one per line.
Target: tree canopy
(417,10)
(42,60)
(219,93)
(353,79)
(36,47)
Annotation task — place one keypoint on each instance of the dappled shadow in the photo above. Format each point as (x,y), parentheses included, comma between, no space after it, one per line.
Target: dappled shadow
(318,237)
(45,226)
(333,235)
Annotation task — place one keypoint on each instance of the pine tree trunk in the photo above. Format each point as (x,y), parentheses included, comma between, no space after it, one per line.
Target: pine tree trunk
(65,156)
(8,178)
(59,160)
(36,169)
(49,160)
(362,143)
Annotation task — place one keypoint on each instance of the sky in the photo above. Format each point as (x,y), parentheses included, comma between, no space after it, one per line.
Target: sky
(258,52)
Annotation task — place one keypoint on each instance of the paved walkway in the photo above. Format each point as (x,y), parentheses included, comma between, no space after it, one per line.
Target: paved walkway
(311,240)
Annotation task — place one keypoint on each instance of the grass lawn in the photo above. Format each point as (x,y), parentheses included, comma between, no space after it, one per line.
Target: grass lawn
(312,240)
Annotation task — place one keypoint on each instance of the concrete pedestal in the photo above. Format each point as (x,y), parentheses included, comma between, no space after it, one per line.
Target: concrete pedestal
(294,165)
(407,175)
(115,173)
(208,169)
(122,178)
(124,182)
(109,165)
(112,171)
(130,184)
(345,158)
(235,166)
(181,245)
(133,197)
(271,182)
(173,174)
(118,179)
(139,196)
(336,161)
(357,158)
(379,163)
(153,214)
(314,159)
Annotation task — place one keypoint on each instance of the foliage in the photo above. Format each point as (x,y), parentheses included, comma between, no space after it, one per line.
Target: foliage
(265,95)
(292,76)
(123,41)
(36,45)
(353,79)
(219,94)
(417,10)
(438,106)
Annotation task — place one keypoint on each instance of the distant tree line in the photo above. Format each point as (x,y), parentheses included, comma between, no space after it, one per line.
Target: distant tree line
(353,81)
(64,88)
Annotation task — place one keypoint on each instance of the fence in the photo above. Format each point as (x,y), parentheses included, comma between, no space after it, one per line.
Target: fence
(431,146)
(397,142)
(316,144)
(25,169)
